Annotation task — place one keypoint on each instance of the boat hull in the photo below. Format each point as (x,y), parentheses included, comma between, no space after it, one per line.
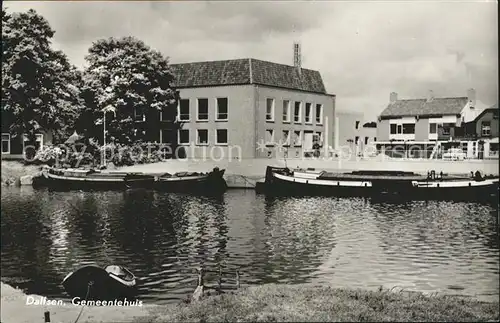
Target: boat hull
(60,182)
(282,182)
(102,285)
(212,183)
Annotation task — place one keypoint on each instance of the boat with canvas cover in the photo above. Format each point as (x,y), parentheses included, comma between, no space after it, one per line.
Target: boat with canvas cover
(211,183)
(284,181)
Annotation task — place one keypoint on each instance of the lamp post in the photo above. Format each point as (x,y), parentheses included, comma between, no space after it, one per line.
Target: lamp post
(106,110)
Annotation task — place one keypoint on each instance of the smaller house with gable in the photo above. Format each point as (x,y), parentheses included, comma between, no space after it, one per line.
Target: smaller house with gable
(428,127)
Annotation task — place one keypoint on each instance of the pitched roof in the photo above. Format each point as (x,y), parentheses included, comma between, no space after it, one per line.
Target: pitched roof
(246,71)
(420,107)
(493,109)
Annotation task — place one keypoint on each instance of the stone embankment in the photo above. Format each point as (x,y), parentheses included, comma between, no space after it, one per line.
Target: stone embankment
(15,173)
(245,173)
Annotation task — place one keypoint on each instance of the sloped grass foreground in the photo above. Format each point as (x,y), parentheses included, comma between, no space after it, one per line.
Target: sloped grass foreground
(283,303)
(268,303)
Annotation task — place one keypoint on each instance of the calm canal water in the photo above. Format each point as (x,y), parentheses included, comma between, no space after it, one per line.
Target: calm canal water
(423,246)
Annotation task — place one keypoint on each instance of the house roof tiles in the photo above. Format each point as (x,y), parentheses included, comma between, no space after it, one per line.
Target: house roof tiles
(247,71)
(420,107)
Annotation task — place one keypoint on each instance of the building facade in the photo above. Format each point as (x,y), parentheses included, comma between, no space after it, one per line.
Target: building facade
(14,146)
(242,108)
(355,132)
(247,108)
(427,128)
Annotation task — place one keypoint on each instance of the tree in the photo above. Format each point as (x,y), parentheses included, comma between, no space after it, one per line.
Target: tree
(40,88)
(132,78)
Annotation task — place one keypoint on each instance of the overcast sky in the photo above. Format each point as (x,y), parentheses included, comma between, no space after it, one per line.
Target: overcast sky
(364,50)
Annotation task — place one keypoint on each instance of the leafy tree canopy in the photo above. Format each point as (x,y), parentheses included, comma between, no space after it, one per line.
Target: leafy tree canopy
(128,77)
(40,88)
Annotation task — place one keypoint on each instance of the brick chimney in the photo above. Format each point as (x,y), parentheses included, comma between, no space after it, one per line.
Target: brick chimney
(430,96)
(471,95)
(393,97)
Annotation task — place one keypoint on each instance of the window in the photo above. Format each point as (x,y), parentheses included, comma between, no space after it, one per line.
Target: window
(167,114)
(408,128)
(202,137)
(319,113)
(393,129)
(269,137)
(286,110)
(184,110)
(138,114)
(221,137)
(357,125)
(270,110)
(166,136)
(493,148)
(366,140)
(400,129)
(432,128)
(286,138)
(374,139)
(318,137)
(486,128)
(297,138)
(202,109)
(297,112)
(183,136)
(308,113)
(222,112)
(446,128)
(5,143)
(38,140)
(356,140)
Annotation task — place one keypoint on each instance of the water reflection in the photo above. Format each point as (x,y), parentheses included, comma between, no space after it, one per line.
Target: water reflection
(427,246)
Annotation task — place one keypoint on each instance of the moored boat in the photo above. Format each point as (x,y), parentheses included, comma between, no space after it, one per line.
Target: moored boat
(95,283)
(81,179)
(284,181)
(211,183)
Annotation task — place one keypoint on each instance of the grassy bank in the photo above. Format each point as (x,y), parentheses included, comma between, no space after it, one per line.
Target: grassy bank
(270,303)
(13,170)
(283,303)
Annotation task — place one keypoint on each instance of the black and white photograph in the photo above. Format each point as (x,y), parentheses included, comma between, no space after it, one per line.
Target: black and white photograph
(250,161)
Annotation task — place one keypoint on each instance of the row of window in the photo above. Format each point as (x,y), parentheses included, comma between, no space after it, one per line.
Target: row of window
(183,112)
(221,113)
(201,136)
(409,128)
(357,142)
(405,128)
(6,142)
(297,112)
(291,138)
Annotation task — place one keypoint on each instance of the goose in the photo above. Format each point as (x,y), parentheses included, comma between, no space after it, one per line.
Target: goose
(199,291)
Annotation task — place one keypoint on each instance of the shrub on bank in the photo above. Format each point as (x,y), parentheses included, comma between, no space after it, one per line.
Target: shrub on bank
(79,155)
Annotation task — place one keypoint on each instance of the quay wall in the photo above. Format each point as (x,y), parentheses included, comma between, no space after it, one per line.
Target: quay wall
(245,173)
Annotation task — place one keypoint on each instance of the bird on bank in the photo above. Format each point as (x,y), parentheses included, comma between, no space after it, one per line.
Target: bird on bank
(200,289)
